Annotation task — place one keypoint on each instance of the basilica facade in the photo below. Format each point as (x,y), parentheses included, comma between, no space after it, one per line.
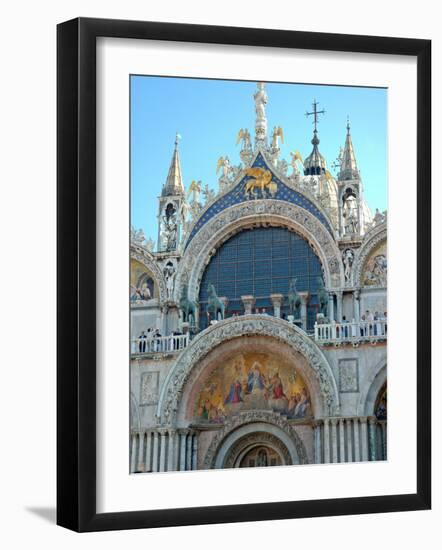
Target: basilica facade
(259,320)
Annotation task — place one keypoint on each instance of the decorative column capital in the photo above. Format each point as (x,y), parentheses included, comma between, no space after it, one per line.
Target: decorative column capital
(357,294)
(276,299)
(305,296)
(334,421)
(249,301)
(372,420)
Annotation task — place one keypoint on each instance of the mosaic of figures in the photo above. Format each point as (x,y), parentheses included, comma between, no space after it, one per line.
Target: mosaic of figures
(142,286)
(375,269)
(253,381)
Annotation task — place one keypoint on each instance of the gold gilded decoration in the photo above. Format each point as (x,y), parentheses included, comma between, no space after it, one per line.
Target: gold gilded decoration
(261,179)
(253,381)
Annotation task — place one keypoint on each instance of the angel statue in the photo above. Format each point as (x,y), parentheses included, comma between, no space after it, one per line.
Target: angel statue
(194,191)
(224,163)
(244,136)
(296,156)
(277,134)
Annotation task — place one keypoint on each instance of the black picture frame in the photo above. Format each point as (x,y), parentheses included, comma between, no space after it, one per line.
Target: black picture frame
(76,274)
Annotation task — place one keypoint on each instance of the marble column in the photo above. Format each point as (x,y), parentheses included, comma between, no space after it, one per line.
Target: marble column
(349,423)
(372,425)
(277,300)
(317,441)
(163,439)
(148,462)
(195,451)
(155,452)
(356,439)
(326,440)
(356,306)
(384,440)
(189,451)
(331,308)
(305,297)
(249,303)
(140,465)
(334,439)
(341,440)
(171,462)
(133,453)
(339,306)
(364,439)
(183,435)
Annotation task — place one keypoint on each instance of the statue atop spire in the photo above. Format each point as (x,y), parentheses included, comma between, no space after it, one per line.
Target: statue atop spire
(261,99)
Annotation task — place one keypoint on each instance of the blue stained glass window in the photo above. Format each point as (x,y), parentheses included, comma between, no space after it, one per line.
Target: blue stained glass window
(261,262)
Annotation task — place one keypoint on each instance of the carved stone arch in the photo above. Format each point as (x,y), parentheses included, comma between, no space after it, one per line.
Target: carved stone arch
(248,423)
(372,238)
(146,258)
(251,214)
(189,361)
(368,397)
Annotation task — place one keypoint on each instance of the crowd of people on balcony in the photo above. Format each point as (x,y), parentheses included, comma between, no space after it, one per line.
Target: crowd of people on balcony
(150,340)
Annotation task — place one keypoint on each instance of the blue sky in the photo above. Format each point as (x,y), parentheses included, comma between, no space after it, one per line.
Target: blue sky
(209,113)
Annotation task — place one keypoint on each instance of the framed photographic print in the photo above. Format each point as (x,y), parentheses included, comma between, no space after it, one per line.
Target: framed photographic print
(243,248)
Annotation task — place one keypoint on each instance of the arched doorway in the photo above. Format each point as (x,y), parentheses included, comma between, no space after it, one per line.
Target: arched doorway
(258,450)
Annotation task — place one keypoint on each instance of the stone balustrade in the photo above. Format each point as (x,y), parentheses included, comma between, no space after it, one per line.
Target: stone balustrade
(159,344)
(354,332)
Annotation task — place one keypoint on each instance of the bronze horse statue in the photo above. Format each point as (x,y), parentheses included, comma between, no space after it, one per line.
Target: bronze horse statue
(187,307)
(215,305)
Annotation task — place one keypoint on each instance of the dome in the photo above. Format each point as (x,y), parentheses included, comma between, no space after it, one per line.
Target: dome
(315,163)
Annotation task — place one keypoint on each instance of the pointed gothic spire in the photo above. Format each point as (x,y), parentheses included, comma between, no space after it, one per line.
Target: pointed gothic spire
(174,182)
(349,169)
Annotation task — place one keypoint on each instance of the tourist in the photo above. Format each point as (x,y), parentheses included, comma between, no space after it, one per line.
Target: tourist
(142,342)
(344,328)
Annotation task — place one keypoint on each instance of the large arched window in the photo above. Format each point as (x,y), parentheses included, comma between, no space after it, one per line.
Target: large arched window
(261,262)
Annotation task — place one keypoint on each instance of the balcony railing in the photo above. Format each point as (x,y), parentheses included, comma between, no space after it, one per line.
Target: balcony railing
(355,332)
(159,344)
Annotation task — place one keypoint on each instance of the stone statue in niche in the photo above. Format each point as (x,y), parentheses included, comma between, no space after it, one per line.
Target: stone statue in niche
(350,215)
(170,227)
(169,276)
(347,259)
